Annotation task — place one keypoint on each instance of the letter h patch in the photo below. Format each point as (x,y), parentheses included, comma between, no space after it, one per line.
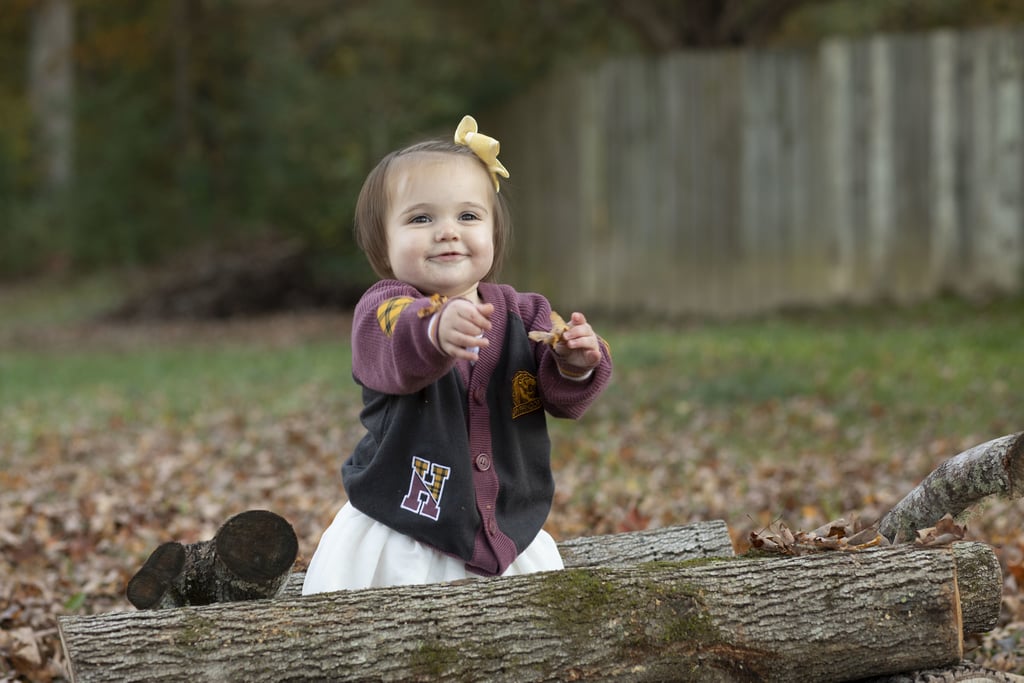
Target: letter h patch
(425,488)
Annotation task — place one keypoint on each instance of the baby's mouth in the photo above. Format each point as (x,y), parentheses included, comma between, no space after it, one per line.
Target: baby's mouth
(447,256)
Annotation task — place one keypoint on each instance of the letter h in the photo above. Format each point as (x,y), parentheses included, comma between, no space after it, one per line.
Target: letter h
(425,488)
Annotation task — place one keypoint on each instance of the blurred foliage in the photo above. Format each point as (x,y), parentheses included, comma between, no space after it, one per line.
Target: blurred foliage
(860,17)
(215,119)
(199,120)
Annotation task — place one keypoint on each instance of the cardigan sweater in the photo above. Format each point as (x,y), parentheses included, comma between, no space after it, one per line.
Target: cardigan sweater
(456,455)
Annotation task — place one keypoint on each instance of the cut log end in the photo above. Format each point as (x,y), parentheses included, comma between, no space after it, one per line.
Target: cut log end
(150,583)
(257,545)
(980,585)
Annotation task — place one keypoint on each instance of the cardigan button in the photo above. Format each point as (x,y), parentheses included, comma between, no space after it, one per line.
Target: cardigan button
(480,395)
(483,462)
(492,526)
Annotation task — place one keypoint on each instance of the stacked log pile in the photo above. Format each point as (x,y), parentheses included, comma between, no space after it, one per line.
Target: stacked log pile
(666,604)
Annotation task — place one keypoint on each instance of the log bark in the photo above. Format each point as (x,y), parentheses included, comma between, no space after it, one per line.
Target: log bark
(825,617)
(673,543)
(992,468)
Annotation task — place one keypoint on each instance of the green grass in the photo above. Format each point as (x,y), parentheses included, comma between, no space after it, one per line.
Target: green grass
(926,361)
(59,386)
(793,382)
(46,395)
(180,381)
(819,380)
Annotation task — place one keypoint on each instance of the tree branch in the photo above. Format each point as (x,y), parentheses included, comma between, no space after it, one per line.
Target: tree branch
(992,468)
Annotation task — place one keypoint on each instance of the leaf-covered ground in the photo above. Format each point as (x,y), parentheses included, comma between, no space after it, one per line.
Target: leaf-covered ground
(114,439)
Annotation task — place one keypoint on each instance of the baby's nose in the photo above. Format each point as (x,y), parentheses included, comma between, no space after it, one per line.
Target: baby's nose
(446,231)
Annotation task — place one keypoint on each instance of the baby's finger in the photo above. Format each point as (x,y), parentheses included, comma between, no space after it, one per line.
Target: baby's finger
(578,333)
(577,318)
(478,319)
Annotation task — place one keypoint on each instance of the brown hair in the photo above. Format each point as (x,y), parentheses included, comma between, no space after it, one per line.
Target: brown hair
(373,201)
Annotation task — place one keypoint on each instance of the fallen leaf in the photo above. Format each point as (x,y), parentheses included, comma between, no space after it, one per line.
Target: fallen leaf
(24,647)
(554,335)
(945,531)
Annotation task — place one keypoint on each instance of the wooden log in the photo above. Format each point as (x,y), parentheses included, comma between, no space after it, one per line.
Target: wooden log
(672,543)
(994,468)
(250,557)
(824,617)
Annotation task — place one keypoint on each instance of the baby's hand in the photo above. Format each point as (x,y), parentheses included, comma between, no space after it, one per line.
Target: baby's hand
(461,326)
(579,346)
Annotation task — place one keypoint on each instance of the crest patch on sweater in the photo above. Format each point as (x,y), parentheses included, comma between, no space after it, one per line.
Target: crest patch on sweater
(426,488)
(388,312)
(525,398)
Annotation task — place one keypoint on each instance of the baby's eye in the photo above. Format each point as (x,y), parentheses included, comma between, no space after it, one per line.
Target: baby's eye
(469,216)
(422,218)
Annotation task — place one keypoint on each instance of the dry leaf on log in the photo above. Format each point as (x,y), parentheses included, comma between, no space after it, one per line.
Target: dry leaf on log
(842,535)
(835,535)
(945,531)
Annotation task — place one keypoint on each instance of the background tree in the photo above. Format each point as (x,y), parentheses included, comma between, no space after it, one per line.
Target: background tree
(51,90)
(226,121)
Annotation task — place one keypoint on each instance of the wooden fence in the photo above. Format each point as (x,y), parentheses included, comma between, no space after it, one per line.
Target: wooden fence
(730,183)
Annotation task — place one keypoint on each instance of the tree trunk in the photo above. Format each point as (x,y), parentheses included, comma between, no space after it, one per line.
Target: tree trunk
(186,14)
(824,617)
(51,90)
(963,481)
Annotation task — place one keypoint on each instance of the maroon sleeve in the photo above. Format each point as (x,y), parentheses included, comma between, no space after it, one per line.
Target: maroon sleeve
(391,350)
(562,396)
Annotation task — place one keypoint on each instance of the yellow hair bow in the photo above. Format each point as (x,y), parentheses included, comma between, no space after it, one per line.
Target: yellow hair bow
(483,146)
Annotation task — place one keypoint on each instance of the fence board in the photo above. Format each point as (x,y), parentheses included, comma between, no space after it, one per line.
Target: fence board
(729,183)
(944,200)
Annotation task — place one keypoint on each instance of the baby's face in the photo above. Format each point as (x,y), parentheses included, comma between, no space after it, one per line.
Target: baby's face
(440,223)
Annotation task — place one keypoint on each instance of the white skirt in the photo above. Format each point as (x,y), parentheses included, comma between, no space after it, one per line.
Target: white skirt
(356,551)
